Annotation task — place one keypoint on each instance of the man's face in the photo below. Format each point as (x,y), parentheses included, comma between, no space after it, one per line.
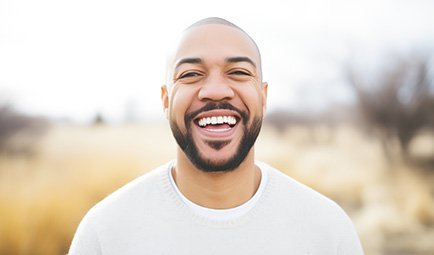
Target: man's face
(216,99)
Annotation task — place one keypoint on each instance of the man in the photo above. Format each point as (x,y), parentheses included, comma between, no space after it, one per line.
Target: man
(214,198)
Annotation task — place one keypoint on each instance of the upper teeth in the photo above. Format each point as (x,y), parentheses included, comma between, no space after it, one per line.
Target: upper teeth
(217,120)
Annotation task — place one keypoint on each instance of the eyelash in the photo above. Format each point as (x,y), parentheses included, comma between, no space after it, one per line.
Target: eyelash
(193,74)
(189,75)
(239,72)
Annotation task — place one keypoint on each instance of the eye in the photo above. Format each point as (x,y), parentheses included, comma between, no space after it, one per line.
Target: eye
(240,72)
(189,75)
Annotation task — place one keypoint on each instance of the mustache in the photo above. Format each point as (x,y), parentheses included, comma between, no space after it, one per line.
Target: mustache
(216,106)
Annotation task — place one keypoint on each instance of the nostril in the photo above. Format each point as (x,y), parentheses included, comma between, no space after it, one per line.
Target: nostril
(216,92)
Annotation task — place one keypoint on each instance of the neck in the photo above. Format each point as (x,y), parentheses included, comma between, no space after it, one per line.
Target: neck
(220,190)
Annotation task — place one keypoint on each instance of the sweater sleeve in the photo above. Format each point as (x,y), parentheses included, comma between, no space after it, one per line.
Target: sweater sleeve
(85,241)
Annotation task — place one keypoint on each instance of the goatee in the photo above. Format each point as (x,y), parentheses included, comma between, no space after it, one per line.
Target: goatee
(187,144)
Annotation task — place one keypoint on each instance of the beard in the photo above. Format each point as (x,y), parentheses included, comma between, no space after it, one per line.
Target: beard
(188,146)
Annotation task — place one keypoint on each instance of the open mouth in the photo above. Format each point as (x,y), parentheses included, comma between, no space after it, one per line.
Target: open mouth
(218,128)
(217,121)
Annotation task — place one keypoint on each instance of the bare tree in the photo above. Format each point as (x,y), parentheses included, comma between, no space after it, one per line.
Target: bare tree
(399,103)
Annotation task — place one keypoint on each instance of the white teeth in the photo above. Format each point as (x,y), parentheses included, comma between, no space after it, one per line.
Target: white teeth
(232,121)
(202,122)
(217,120)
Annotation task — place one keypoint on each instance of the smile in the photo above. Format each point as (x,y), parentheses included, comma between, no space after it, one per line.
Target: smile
(217,120)
(218,123)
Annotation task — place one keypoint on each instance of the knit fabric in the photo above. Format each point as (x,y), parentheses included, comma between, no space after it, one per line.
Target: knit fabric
(224,214)
(147,216)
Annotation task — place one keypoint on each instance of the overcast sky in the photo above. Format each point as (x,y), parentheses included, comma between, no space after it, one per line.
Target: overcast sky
(73,59)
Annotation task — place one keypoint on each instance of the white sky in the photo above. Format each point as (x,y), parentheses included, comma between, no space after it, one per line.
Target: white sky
(71,59)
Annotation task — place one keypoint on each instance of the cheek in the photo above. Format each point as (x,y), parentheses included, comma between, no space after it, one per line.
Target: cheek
(181,99)
(252,98)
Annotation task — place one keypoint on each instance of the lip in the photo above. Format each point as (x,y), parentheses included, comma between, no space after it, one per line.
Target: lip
(217,134)
(218,112)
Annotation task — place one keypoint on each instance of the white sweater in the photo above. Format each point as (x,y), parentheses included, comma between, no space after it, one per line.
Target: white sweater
(147,216)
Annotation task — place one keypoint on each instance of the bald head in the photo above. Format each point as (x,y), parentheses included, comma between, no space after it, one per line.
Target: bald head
(198,30)
(214,20)
(217,20)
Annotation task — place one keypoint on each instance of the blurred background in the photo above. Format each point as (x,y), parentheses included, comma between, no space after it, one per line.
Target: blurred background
(350,108)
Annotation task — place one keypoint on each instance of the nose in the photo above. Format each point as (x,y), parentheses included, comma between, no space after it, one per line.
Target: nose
(215,88)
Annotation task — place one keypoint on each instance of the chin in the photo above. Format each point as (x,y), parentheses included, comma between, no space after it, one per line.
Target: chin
(228,163)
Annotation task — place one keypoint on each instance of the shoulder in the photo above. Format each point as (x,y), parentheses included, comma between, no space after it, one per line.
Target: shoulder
(313,215)
(296,196)
(133,196)
(137,203)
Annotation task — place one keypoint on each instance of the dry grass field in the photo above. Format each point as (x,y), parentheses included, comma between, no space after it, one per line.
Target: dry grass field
(43,197)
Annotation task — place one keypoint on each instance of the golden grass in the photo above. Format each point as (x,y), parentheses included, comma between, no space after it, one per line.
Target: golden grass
(43,198)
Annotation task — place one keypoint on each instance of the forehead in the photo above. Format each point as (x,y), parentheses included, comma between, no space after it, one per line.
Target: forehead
(215,42)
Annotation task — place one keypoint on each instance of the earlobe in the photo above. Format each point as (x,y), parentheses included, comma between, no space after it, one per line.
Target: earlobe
(165,100)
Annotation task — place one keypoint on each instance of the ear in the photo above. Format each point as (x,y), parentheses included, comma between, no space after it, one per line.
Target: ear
(165,100)
(264,96)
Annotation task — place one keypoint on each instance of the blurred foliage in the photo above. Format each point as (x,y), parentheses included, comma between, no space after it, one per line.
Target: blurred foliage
(98,120)
(18,132)
(394,107)
(399,103)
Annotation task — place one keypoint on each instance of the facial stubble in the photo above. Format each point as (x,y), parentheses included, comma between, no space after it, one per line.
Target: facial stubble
(188,145)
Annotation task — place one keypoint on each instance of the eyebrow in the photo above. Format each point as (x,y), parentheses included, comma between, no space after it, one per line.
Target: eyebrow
(228,60)
(240,59)
(188,61)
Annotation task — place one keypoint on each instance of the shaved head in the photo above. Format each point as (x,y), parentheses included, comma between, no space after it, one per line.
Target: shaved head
(203,22)
(217,20)
(214,20)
